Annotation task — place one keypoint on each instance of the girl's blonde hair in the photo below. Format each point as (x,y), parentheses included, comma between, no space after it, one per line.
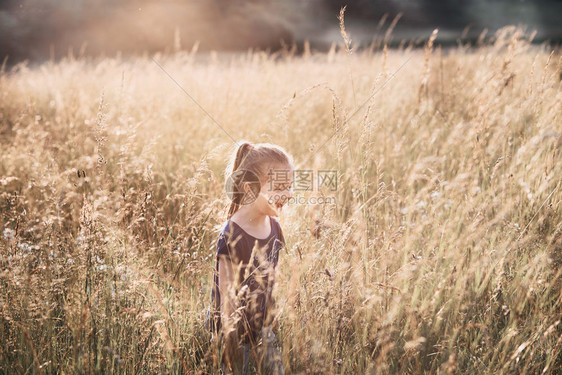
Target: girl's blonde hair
(255,158)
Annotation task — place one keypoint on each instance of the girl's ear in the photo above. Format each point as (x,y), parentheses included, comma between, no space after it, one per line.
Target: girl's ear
(249,194)
(248,191)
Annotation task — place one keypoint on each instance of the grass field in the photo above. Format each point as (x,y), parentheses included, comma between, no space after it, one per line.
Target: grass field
(442,254)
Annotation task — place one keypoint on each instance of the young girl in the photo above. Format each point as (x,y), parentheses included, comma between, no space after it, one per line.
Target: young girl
(260,184)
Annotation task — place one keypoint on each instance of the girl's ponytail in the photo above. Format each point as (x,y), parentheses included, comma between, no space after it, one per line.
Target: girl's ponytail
(241,155)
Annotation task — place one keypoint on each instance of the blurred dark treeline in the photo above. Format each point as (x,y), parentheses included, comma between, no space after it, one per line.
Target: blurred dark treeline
(44,29)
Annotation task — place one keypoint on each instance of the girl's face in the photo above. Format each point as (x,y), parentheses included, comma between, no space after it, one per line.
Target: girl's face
(276,191)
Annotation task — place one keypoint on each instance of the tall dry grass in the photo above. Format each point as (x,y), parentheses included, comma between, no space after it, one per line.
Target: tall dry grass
(442,255)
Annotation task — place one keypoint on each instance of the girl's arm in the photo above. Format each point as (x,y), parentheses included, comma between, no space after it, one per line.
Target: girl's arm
(226,278)
(228,306)
(226,288)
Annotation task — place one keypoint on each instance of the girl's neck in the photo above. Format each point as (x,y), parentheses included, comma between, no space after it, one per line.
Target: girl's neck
(247,216)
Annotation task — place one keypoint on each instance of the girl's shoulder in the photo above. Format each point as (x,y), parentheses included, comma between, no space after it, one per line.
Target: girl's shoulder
(275,224)
(226,236)
(227,229)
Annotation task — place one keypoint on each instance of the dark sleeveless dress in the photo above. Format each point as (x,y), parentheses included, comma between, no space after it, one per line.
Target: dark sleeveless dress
(257,258)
